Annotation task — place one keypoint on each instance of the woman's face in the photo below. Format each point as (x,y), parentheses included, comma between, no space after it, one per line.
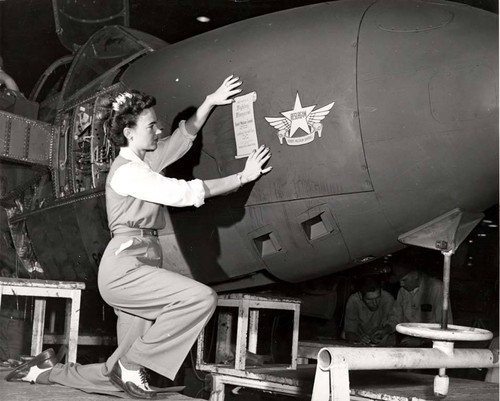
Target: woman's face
(144,136)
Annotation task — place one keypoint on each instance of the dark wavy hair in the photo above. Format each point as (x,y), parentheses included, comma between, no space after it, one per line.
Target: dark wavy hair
(122,111)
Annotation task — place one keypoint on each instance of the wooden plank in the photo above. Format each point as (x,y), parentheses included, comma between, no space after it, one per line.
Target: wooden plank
(218,389)
(37,292)
(19,282)
(234,303)
(38,326)
(72,324)
(241,336)
(253,330)
(200,347)
(302,376)
(223,347)
(219,381)
(50,338)
(295,337)
(251,297)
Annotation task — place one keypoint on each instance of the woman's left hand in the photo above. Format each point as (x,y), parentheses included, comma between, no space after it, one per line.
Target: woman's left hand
(253,167)
(225,91)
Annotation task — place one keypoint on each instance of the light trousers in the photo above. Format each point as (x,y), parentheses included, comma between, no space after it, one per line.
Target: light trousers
(160,313)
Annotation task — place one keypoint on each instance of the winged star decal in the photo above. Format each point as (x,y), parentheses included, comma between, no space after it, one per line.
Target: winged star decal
(305,118)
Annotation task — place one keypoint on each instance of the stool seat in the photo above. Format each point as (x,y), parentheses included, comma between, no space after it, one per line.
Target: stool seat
(41,289)
(255,298)
(24,282)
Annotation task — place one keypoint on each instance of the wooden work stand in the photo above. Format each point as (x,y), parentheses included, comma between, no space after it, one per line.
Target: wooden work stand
(277,378)
(41,289)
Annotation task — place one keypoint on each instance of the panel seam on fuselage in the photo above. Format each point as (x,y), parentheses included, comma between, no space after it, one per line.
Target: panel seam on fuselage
(357,94)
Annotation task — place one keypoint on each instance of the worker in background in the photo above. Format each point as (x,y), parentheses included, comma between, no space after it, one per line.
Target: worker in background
(367,311)
(6,79)
(419,300)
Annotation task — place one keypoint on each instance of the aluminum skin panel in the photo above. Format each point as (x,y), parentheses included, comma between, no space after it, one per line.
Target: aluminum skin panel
(309,51)
(428,106)
(24,140)
(69,239)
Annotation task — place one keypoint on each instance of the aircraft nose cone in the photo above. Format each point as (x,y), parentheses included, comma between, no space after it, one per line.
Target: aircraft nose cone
(428,109)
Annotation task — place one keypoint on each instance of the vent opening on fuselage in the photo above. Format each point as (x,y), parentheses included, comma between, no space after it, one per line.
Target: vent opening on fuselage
(265,245)
(315,228)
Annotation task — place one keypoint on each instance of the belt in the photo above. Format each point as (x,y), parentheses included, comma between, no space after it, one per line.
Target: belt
(142,232)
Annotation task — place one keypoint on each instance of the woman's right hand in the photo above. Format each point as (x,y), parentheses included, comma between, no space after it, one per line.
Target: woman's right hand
(223,94)
(253,167)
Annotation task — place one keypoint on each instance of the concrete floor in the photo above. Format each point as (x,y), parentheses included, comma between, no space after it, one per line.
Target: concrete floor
(16,391)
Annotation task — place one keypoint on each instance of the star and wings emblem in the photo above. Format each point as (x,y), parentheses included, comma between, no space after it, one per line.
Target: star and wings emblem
(305,118)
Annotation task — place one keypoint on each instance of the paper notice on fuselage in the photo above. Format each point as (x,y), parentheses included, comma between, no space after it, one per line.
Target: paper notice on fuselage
(244,125)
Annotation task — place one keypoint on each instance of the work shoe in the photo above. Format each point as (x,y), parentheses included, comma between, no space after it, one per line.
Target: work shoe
(31,370)
(133,382)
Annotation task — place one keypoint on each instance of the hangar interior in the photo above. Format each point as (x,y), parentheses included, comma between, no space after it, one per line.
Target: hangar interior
(408,184)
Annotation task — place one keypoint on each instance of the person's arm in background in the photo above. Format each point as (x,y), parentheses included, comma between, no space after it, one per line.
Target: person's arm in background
(395,316)
(8,81)
(386,306)
(352,322)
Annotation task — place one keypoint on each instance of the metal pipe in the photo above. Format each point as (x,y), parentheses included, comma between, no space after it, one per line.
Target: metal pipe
(446,288)
(362,358)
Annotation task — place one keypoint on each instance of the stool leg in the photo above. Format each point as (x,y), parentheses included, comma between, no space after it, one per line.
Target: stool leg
(241,336)
(72,324)
(253,330)
(38,326)
(224,330)
(200,346)
(218,389)
(295,337)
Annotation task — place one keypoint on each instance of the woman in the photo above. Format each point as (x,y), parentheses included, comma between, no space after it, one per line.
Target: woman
(160,313)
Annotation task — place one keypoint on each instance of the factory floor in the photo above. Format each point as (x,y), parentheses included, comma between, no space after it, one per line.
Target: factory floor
(376,385)
(16,391)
